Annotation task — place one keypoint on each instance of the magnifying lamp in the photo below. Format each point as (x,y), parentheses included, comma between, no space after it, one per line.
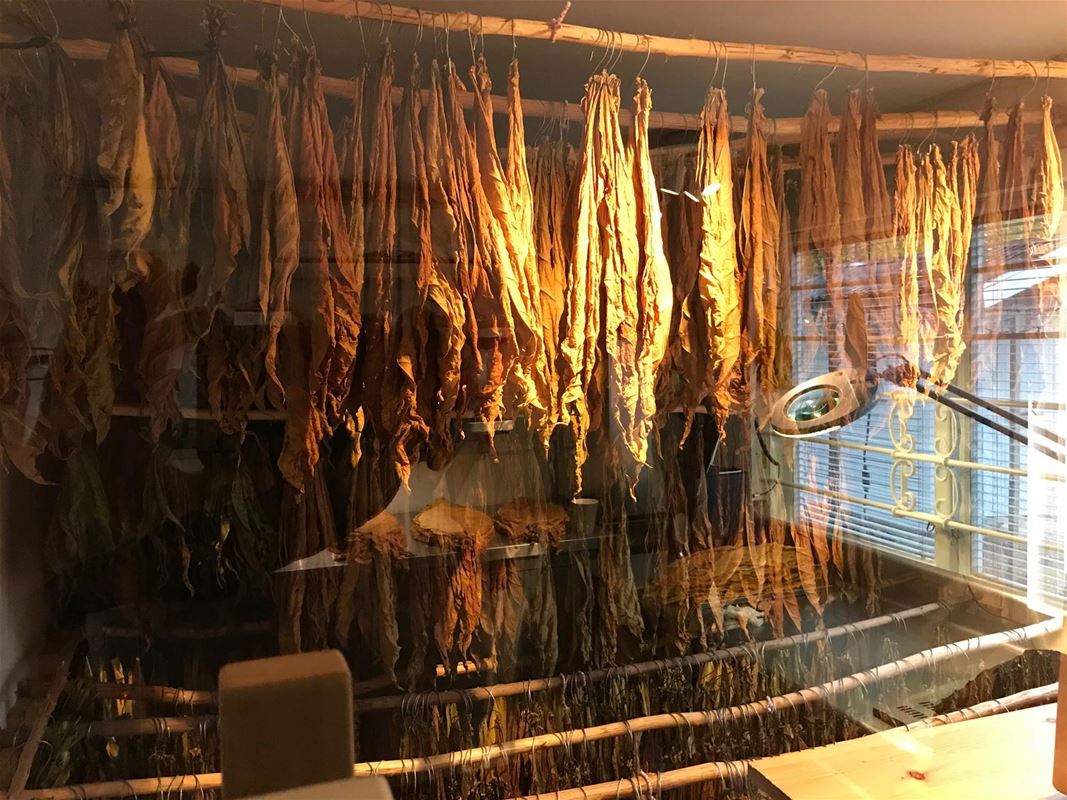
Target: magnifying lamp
(836,399)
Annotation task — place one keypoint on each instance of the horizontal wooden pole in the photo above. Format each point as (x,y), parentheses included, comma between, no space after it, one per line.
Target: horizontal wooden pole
(482,693)
(671,46)
(784,130)
(1027,698)
(1011,641)
(653,784)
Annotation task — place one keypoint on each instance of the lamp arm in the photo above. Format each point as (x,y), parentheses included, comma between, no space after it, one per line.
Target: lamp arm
(999,411)
(940,397)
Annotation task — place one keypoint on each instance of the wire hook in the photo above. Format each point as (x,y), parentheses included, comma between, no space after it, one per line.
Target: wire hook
(826,77)
(648,55)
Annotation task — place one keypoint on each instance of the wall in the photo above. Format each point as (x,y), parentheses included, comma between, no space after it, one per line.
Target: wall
(23,605)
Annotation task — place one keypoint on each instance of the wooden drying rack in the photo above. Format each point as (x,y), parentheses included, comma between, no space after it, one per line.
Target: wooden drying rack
(1010,641)
(617,41)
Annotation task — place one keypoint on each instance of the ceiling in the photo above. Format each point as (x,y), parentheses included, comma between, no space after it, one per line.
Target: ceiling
(1021,29)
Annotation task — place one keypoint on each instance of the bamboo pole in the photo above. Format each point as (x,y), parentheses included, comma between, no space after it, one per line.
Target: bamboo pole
(646,44)
(135,787)
(716,770)
(784,129)
(482,693)
(1035,635)
(1013,702)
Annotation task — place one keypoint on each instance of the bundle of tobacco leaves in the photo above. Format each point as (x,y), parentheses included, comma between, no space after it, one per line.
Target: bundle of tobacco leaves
(655,299)
(510,198)
(758,240)
(368,593)
(164,346)
(783,362)
(579,365)
(125,158)
(17,441)
(305,528)
(905,306)
(450,581)
(718,280)
(484,257)
(275,221)
(1047,203)
(852,201)
(216,185)
(879,219)
(550,232)
(445,312)
(819,224)
(989,233)
(318,346)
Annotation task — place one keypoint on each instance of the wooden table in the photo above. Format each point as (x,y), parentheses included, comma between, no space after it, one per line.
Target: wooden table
(1003,757)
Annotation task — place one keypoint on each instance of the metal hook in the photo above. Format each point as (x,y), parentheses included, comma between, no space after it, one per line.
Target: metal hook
(1033,85)
(514,41)
(648,55)
(725,67)
(826,77)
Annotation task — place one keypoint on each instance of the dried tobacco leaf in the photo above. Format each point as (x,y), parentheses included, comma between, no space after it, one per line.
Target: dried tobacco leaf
(988,235)
(463,532)
(165,346)
(783,361)
(819,225)
(550,197)
(318,347)
(655,298)
(81,388)
(718,280)
(759,234)
(275,219)
(504,337)
(531,382)
(445,309)
(531,521)
(124,158)
(580,329)
(1047,203)
(906,279)
(306,527)
(368,593)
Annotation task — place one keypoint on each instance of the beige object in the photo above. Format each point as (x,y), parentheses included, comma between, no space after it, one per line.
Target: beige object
(449,525)
(526,520)
(285,722)
(350,788)
(1002,757)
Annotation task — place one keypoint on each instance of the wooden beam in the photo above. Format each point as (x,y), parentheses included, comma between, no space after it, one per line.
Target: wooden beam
(784,129)
(672,46)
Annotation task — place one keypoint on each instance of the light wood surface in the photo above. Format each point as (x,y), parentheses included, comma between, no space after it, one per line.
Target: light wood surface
(1002,757)
(616,41)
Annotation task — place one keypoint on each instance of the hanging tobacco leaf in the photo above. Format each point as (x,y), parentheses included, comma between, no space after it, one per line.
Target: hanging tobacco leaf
(318,347)
(125,158)
(818,225)
(906,279)
(989,235)
(513,209)
(1047,203)
(492,283)
(165,345)
(414,263)
(759,234)
(463,533)
(306,527)
(550,198)
(580,328)
(879,218)
(446,309)
(368,593)
(275,220)
(655,298)
(718,280)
